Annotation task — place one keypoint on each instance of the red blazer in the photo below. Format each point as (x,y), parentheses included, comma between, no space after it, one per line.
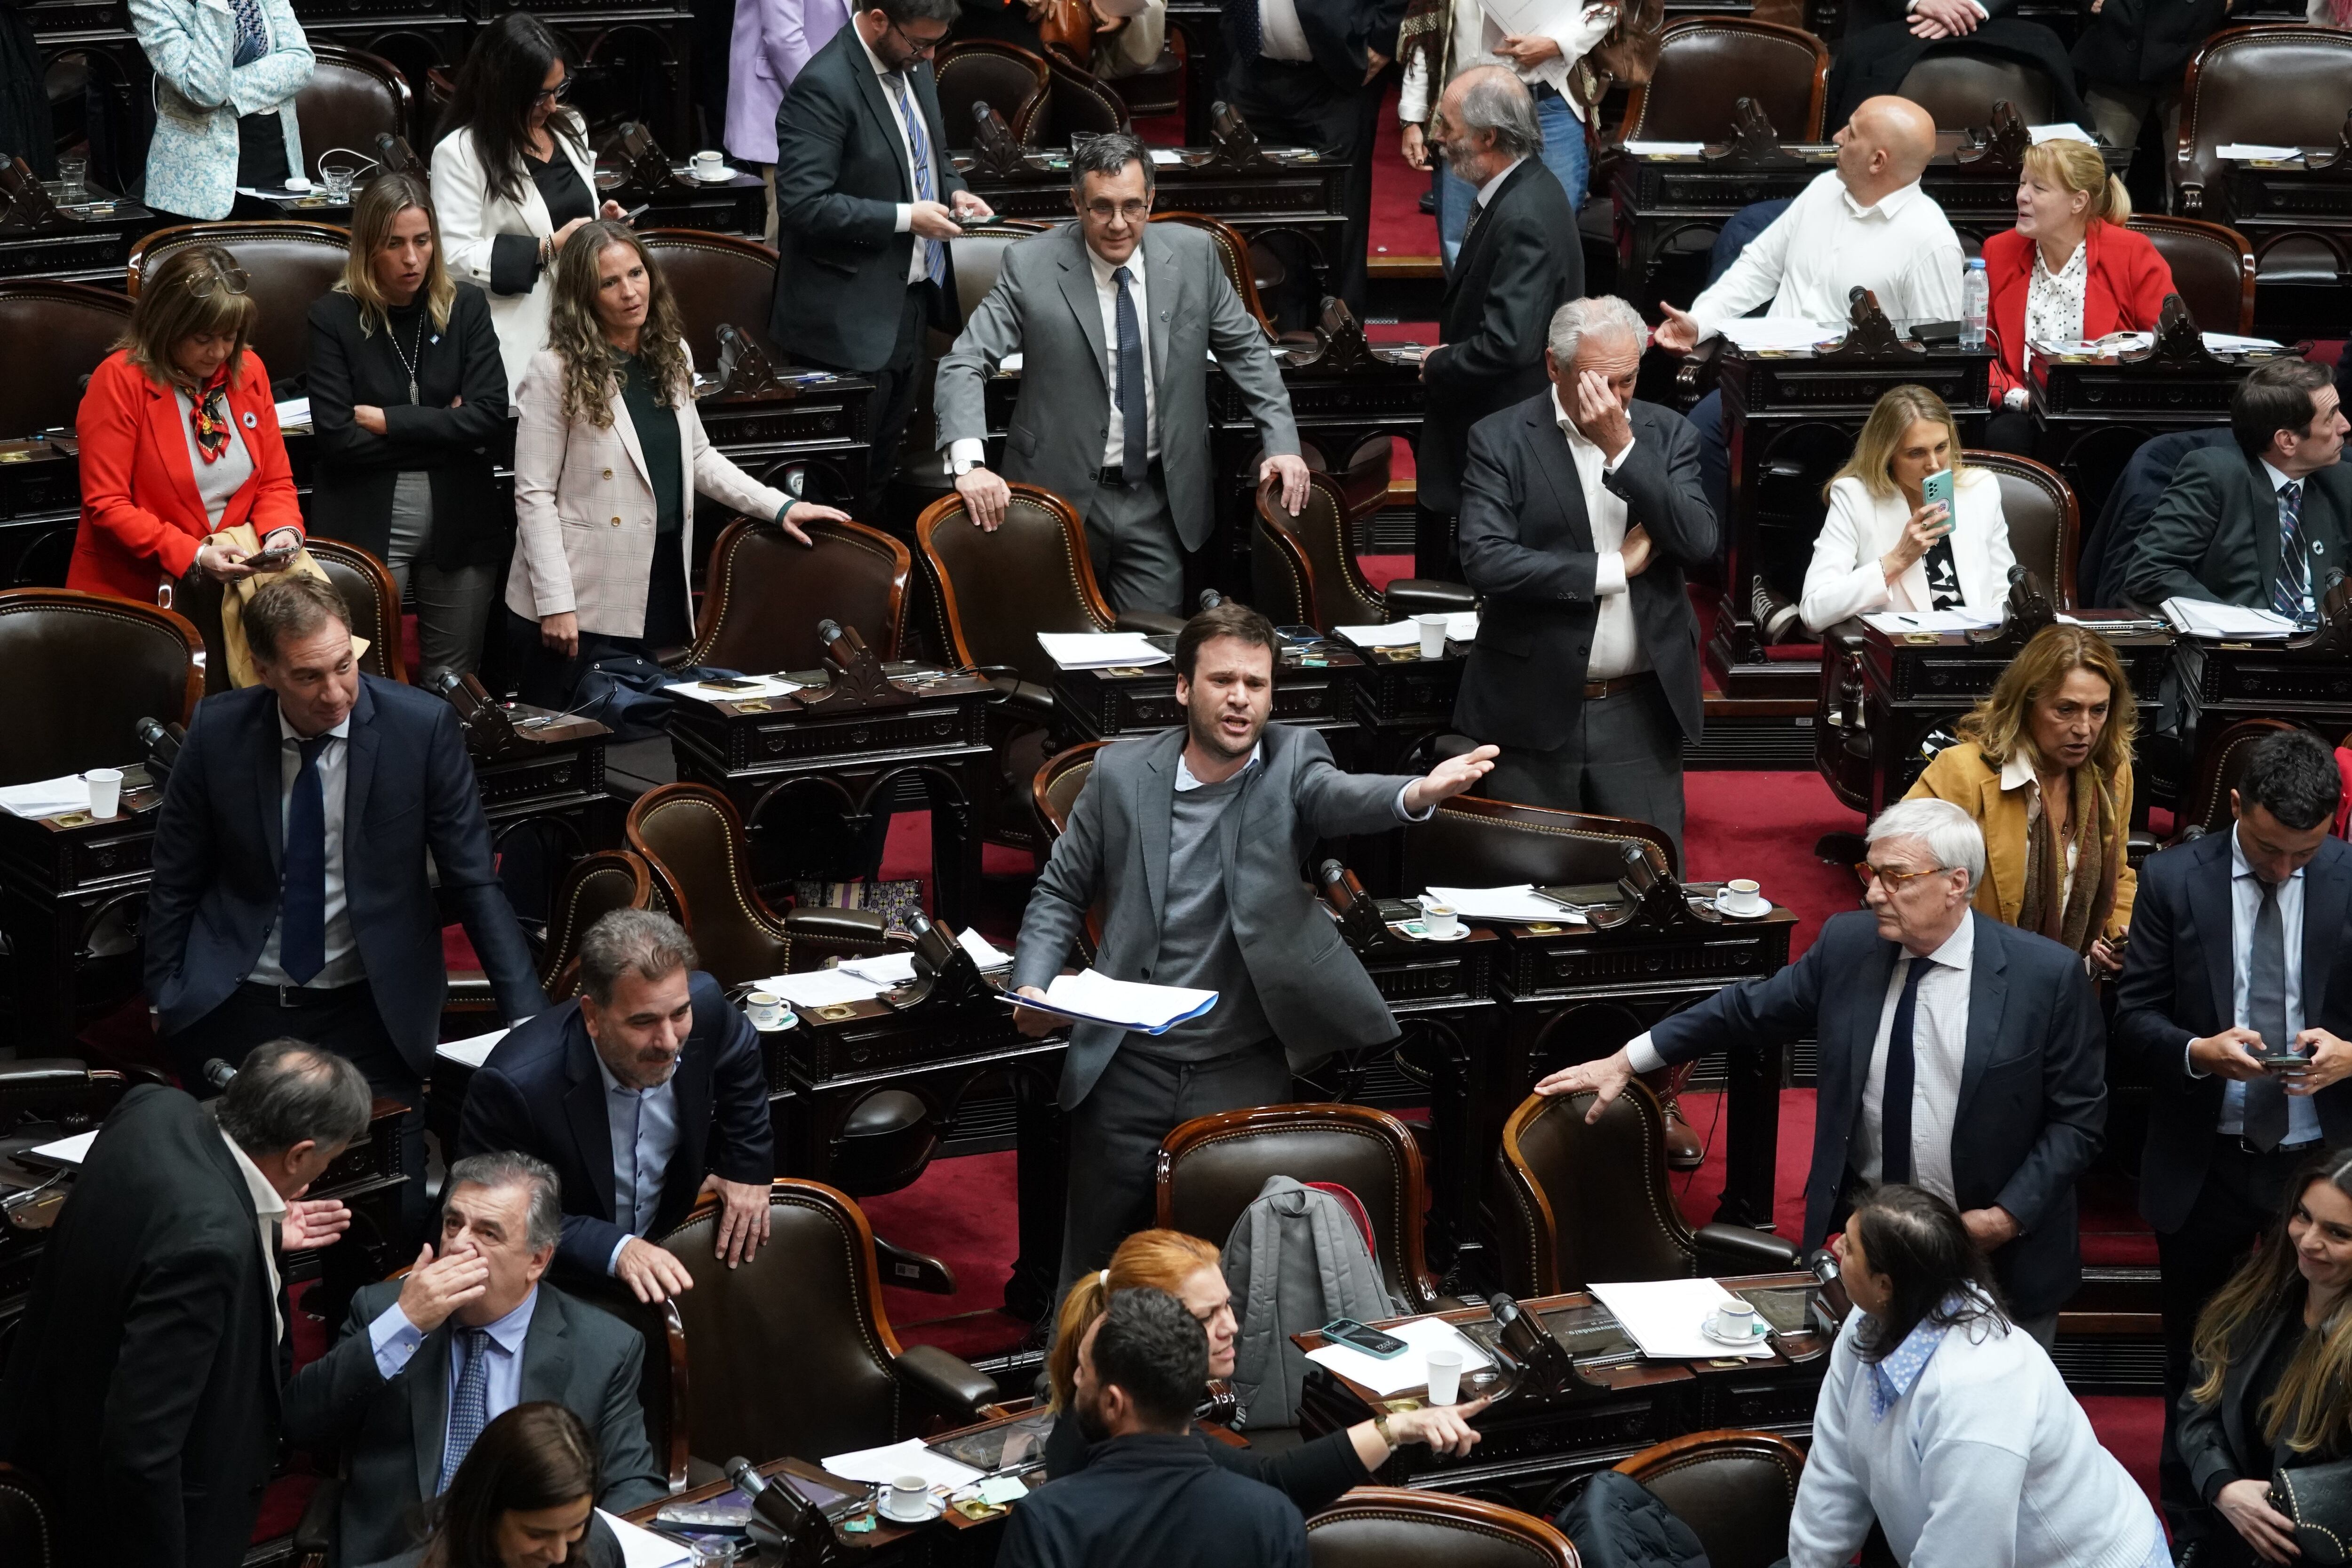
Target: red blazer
(142,519)
(2125,291)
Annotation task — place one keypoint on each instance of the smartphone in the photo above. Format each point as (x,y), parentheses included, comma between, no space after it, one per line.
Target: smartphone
(635,213)
(1938,487)
(1303,635)
(2283,1061)
(1372,1342)
(270,560)
(969,221)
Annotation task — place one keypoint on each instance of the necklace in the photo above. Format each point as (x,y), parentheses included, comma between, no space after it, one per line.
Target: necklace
(409,358)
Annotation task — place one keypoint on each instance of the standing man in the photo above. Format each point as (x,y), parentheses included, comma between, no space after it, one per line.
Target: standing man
(143,1387)
(296,855)
(1114,318)
(1190,842)
(643,1094)
(2237,953)
(771,41)
(867,200)
(1579,511)
(1520,261)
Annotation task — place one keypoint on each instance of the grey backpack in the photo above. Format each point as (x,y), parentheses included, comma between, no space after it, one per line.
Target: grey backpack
(1295,1261)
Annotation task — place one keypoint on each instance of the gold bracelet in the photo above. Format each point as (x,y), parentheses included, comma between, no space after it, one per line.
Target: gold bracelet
(1381,1425)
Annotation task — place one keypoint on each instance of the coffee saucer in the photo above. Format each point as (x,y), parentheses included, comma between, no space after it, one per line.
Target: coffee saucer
(932,1509)
(717,177)
(1420,932)
(1762,907)
(1706,1327)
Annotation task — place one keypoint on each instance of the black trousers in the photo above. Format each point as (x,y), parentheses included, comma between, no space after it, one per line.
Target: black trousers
(1293,103)
(2010,430)
(544,678)
(1622,757)
(894,396)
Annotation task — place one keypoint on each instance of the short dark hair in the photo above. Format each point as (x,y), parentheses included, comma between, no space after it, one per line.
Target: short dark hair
(2279,395)
(287,1093)
(293,607)
(644,943)
(536,1456)
(1109,153)
(1918,1242)
(1155,1350)
(1226,620)
(901,12)
(2292,775)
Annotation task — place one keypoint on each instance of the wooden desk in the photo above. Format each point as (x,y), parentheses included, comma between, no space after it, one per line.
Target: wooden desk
(1106,704)
(886,1545)
(2270,204)
(93,246)
(2305,680)
(1403,699)
(73,894)
(41,509)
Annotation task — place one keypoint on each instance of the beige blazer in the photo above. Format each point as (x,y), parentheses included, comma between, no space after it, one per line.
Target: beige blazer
(584,510)
(472,217)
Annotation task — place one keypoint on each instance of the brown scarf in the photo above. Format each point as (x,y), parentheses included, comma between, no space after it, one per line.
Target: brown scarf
(2077,921)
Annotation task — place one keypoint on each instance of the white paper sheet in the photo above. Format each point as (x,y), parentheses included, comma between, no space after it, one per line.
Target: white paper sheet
(1780,333)
(884,1465)
(70,1150)
(1409,1370)
(1098,999)
(2264,151)
(641,1548)
(1166,158)
(984,953)
(887,969)
(1927,620)
(1515,905)
(2199,617)
(764,686)
(472,1053)
(821,987)
(2063,131)
(48,797)
(1461,626)
(294,414)
(1098,650)
(1663,1317)
(2226,343)
(1666,149)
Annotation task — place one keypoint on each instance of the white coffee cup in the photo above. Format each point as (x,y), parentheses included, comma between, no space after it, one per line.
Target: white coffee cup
(1445,1374)
(708,165)
(105,790)
(1439,920)
(1744,894)
(766,1011)
(1433,634)
(907,1498)
(1735,1320)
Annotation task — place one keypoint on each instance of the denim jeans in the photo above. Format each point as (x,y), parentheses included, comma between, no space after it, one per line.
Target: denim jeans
(1563,154)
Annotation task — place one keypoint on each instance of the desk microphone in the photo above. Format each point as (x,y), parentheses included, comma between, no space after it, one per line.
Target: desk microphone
(162,745)
(219,1074)
(1210,599)
(783,1509)
(1821,1264)
(828,632)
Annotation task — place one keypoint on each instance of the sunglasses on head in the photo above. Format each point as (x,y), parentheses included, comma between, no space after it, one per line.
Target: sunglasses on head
(231,280)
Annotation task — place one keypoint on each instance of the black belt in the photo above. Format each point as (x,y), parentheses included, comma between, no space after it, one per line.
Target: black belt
(302,995)
(2242,1144)
(1116,475)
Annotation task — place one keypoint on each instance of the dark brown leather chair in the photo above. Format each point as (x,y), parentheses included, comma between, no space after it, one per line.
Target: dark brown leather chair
(83,669)
(1211,1168)
(366,587)
(32,1531)
(594,887)
(1059,783)
(792,1353)
(1960,86)
(1077,103)
(2212,270)
(1580,1203)
(1735,1490)
(1708,64)
(1011,80)
(1233,256)
(978,253)
(1159,87)
(57,333)
(1473,843)
(1381,1527)
(765,592)
(2220,762)
(352,97)
(1303,569)
(2045,523)
(2268,83)
(290,265)
(718,277)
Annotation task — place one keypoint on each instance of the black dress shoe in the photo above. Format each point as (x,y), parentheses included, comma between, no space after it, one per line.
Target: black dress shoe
(1429,203)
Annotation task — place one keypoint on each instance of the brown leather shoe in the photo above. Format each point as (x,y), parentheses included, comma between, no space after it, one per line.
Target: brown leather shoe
(1684,1151)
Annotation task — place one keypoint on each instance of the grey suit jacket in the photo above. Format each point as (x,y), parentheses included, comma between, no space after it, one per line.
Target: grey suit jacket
(1044,309)
(391,1433)
(1114,854)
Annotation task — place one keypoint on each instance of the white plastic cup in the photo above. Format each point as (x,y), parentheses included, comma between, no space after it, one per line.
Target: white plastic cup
(105,790)
(1433,635)
(1440,919)
(707,164)
(766,1011)
(909,1498)
(1736,1320)
(1445,1374)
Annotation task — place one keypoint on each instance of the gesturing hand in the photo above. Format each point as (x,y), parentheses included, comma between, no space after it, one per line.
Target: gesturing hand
(1678,334)
(743,1218)
(313,1223)
(1600,416)
(1444,1427)
(652,1273)
(438,1286)
(1450,778)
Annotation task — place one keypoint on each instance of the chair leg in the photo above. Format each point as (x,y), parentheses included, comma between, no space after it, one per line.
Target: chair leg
(913,1270)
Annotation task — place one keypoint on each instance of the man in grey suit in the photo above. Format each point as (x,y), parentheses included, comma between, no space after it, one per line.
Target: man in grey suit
(425,1363)
(1114,318)
(1191,842)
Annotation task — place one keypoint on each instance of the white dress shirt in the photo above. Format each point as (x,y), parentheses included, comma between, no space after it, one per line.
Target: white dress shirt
(1486,191)
(268,1213)
(1281,35)
(2018,773)
(2245,904)
(1616,641)
(900,95)
(1106,291)
(342,966)
(1574,25)
(1902,249)
(395,1339)
(644,1127)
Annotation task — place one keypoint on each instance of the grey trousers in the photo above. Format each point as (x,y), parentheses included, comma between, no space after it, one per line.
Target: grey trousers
(453,606)
(1622,758)
(1132,545)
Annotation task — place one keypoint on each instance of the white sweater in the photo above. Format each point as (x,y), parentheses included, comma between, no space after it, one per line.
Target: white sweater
(1986,1461)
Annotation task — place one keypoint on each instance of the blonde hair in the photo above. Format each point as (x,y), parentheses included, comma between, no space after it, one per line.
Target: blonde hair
(2078,167)
(169,311)
(379,208)
(2001,723)
(1873,450)
(1156,1259)
(577,335)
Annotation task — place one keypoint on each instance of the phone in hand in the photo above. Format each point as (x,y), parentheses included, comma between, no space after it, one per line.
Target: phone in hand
(969,221)
(270,560)
(1372,1342)
(2282,1061)
(1938,487)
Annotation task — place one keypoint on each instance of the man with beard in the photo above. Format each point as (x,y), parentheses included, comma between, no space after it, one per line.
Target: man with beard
(1190,843)
(644,1094)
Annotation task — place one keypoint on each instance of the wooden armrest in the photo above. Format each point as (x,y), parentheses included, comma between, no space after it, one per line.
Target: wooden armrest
(1736,1250)
(1427,596)
(314,1533)
(1026,696)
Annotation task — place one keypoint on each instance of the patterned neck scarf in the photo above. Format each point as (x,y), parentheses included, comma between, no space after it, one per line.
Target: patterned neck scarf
(208,416)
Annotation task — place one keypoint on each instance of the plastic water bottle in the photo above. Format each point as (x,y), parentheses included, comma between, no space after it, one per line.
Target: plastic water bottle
(1975,299)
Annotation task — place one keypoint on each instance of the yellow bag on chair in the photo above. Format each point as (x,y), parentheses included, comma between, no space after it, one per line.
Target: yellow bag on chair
(234,595)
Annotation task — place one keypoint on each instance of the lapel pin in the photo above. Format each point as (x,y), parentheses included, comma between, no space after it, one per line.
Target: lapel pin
(252,420)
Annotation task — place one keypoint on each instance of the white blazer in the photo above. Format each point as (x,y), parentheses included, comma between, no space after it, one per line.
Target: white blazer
(472,217)
(585,518)
(1844,579)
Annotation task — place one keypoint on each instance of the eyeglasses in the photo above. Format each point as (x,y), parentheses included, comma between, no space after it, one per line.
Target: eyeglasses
(922,49)
(556,94)
(1130,212)
(205,285)
(1895,880)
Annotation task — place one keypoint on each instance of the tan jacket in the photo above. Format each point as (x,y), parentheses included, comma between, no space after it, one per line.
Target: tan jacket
(1960,775)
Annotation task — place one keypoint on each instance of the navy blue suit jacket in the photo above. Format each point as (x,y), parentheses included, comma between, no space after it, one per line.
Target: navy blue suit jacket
(220,847)
(2033,1093)
(540,1093)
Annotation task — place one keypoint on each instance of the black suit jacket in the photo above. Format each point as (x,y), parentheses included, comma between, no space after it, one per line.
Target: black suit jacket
(350,495)
(2222,1442)
(841,172)
(2178,986)
(2215,534)
(143,1388)
(220,842)
(391,1433)
(1521,262)
(1527,548)
(1155,1499)
(1339,32)
(540,1092)
(2032,1099)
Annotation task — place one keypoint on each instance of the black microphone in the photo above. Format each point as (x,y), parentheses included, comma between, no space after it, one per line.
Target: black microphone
(160,741)
(782,1507)
(1210,599)
(1822,1265)
(219,1074)
(828,632)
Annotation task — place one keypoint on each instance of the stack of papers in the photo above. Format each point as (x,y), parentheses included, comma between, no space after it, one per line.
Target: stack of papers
(825,987)
(1779,335)
(2064,131)
(642,1548)
(1927,620)
(46,799)
(294,414)
(760,686)
(470,1053)
(912,1457)
(1167,158)
(2231,343)
(1095,998)
(1098,650)
(2201,619)
(2256,151)
(1462,625)
(984,953)
(1409,1369)
(1666,149)
(894,969)
(1663,1317)
(1516,905)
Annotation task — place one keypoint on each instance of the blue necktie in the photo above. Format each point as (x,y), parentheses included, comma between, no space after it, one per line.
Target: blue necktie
(935,253)
(302,903)
(1133,405)
(1894,1101)
(1250,25)
(2288,588)
(252,37)
(469,1407)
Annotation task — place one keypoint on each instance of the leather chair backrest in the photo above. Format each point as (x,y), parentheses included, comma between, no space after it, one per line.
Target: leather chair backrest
(2212,270)
(57,333)
(1210,1169)
(789,1353)
(2045,524)
(1735,1490)
(1708,64)
(593,888)
(2283,85)
(1471,843)
(764,594)
(2220,764)
(1233,257)
(1342,596)
(1281,585)
(1009,79)
(1059,784)
(979,253)
(718,277)
(83,668)
(1382,1527)
(693,845)
(352,97)
(32,1532)
(1002,589)
(662,1382)
(366,587)
(290,265)
(1076,104)
(1590,1202)
(1960,86)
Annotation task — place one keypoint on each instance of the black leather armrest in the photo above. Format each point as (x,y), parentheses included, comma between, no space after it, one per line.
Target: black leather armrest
(825,922)
(947,1381)
(2138,845)
(1696,376)
(1426,596)
(1150,623)
(1736,1250)
(314,1533)
(1850,636)
(1025,698)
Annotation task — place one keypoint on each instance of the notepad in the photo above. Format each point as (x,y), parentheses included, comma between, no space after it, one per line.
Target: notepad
(1094,998)
(1899,621)
(46,799)
(1517,904)
(1779,334)
(912,1457)
(823,988)
(2200,618)
(1099,650)
(1666,149)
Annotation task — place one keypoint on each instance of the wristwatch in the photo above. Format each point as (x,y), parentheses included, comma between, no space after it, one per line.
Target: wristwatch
(959,467)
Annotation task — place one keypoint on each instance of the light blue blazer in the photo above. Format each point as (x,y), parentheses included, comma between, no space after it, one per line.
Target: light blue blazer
(199,95)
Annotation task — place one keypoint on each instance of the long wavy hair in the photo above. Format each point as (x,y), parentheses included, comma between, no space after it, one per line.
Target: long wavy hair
(1153,1259)
(2312,1407)
(495,91)
(2001,723)
(380,205)
(577,335)
(1897,410)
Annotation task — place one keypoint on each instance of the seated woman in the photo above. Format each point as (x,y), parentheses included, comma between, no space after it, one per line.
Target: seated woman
(406,395)
(1947,1423)
(2273,1372)
(2070,270)
(179,438)
(2044,764)
(609,456)
(1311,1475)
(524,1497)
(1885,546)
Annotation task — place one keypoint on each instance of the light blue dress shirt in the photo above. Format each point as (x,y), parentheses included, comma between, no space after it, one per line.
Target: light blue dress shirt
(395,1340)
(644,1123)
(2245,904)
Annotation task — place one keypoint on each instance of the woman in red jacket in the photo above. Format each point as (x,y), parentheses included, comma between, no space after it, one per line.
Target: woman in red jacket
(179,438)
(2070,270)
